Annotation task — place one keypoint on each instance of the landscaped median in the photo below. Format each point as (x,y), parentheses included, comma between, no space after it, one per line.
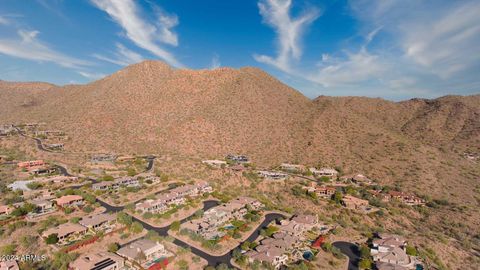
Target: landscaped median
(218,247)
(165,219)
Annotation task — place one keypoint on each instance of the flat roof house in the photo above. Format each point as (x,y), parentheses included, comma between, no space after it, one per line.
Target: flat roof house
(275,256)
(143,250)
(273,175)
(69,201)
(66,230)
(328,172)
(237,158)
(41,170)
(354,202)
(31,163)
(99,221)
(324,191)
(98,261)
(43,206)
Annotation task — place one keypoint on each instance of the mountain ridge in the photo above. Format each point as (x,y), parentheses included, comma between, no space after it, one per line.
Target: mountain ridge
(151,107)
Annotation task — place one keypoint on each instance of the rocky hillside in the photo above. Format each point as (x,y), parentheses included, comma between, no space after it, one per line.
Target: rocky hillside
(150,107)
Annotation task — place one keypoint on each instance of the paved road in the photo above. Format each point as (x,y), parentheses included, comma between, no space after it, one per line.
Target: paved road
(37,141)
(151,162)
(212,260)
(351,251)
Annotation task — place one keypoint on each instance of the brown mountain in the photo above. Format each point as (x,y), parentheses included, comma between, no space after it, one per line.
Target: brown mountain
(150,107)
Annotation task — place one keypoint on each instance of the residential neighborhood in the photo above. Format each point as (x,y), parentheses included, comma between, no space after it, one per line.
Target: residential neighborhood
(82,212)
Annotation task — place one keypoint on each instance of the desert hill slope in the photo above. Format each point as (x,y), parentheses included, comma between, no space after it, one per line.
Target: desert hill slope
(150,107)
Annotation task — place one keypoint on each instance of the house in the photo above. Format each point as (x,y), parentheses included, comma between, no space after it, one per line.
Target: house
(378,194)
(143,251)
(324,172)
(273,255)
(175,196)
(102,185)
(358,179)
(389,266)
(65,231)
(249,202)
(406,198)
(49,133)
(5,210)
(103,158)
(215,163)
(214,217)
(99,222)
(127,181)
(58,179)
(31,163)
(272,175)
(292,167)
(309,221)
(41,170)
(69,201)
(9,265)
(355,203)
(98,261)
(54,146)
(237,158)
(147,177)
(389,251)
(325,191)
(43,206)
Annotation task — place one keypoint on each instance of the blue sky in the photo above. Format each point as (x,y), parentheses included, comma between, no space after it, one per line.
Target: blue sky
(395,49)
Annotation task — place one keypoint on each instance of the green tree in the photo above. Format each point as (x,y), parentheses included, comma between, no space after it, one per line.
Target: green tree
(131,171)
(136,227)
(411,250)
(364,251)
(182,265)
(107,178)
(175,226)
(124,219)
(337,197)
(245,245)
(113,247)
(365,263)
(34,185)
(75,220)
(52,239)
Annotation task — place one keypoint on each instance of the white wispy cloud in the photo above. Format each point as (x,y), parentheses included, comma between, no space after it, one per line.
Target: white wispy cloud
(53,6)
(91,76)
(444,40)
(145,35)
(27,46)
(355,68)
(277,14)
(122,57)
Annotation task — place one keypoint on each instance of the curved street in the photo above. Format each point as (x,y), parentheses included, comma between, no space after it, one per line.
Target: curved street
(212,260)
(351,251)
(163,231)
